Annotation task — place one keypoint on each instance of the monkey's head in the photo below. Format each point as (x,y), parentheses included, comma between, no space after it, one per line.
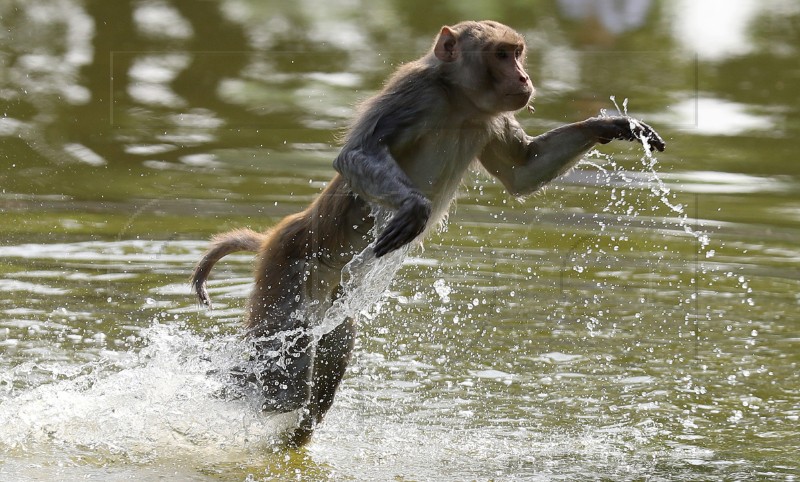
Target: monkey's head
(485,60)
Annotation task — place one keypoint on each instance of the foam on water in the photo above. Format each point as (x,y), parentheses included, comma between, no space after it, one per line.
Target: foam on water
(169,398)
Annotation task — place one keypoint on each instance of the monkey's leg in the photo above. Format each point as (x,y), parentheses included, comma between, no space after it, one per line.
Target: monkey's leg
(331,356)
(279,331)
(286,356)
(283,367)
(333,353)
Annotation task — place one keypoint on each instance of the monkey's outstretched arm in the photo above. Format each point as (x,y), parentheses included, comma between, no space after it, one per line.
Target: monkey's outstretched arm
(524,163)
(375,175)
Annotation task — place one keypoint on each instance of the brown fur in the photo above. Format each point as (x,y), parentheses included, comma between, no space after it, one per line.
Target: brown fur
(320,229)
(407,151)
(221,246)
(319,232)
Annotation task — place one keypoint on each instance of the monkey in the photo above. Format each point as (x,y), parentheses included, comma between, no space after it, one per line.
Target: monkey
(406,151)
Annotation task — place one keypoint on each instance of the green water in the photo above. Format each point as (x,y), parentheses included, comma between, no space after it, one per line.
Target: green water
(587,332)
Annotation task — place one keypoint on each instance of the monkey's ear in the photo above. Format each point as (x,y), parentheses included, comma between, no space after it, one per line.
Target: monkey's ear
(445,48)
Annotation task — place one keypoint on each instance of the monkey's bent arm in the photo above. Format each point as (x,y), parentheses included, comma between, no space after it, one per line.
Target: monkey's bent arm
(374,175)
(379,179)
(524,164)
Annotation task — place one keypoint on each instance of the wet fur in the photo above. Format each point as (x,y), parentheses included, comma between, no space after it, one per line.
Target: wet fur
(407,150)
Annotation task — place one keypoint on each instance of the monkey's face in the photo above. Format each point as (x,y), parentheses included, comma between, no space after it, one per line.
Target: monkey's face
(485,60)
(511,85)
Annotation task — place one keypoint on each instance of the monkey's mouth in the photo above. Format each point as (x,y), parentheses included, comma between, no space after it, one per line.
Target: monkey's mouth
(520,99)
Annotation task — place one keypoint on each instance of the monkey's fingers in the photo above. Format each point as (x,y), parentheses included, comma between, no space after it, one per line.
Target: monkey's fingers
(408,223)
(653,139)
(628,129)
(397,234)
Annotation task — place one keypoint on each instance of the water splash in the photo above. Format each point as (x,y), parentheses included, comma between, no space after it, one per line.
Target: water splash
(364,280)
(167,399)
(657,186)
(172,395)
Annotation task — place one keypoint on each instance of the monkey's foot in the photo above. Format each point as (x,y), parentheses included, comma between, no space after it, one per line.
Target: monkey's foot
(286,386)
(284,398)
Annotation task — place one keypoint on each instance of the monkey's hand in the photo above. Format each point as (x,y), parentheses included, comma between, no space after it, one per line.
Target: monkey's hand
(407,223)
(626,129)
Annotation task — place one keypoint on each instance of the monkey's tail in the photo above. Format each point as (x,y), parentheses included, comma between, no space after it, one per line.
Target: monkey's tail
(221,246)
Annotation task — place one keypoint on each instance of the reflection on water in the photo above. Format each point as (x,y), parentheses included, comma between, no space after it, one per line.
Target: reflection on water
(716,117)
(612,327)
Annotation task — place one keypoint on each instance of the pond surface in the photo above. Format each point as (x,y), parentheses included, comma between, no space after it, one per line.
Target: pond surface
(636,320)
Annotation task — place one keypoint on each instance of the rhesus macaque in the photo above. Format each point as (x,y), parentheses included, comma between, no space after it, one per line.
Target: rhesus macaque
(407,151)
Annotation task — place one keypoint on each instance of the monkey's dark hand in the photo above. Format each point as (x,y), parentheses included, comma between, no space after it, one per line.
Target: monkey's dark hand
(626,129)
(407,223)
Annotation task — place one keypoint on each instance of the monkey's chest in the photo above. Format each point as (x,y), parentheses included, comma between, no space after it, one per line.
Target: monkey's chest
(437,162)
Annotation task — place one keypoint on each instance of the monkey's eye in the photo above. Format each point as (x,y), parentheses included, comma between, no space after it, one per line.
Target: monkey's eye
(518,53)
(501,54)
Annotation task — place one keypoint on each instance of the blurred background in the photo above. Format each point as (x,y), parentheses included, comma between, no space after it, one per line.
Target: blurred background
(637,319)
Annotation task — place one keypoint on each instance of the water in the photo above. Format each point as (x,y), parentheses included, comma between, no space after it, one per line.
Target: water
(364,279)
(637,320)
